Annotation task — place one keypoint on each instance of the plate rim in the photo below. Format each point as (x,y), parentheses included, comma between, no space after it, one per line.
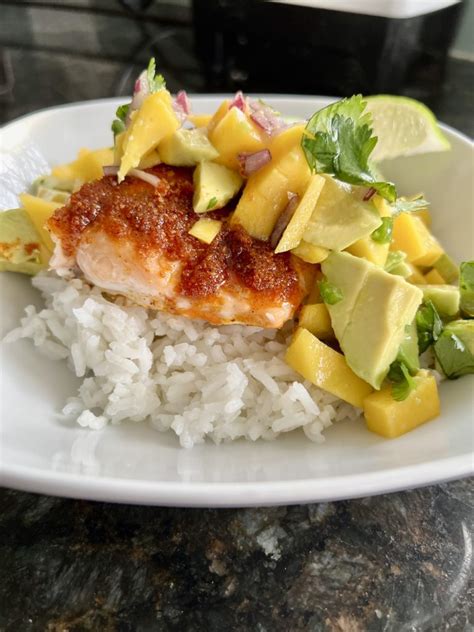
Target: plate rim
(226,494)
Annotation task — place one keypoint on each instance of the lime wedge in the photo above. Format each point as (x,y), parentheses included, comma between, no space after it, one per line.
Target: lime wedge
(404,127)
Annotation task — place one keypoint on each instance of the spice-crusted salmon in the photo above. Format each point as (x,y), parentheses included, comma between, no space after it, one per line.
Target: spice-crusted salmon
(132,239)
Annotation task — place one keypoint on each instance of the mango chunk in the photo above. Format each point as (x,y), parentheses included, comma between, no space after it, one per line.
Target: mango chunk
(233,135)
(286,141)
(412,236)
(87,166)
(415,275)
(315,318)
(39,211)
(152,122)
(425,216)
(150,159)
(218,115)
(200,120)
(434,277)
(310,253)
(367,247)
(325,368)
(390,418)
(293,233)
(206,229)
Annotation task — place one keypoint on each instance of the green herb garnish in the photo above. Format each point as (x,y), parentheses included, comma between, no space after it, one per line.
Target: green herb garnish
(338,141)
(428,324)
(118,124)
(211,204)
(155,82)
(403,382)
(401,205)
(383,234)
(329,292)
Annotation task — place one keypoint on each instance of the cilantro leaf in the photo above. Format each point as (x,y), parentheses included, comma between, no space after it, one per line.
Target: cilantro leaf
(454,350)
(383,234)
(211,204)
(155,82)
(401,205)
(329,292)
(402,381)
(428,324)
(466,286)
(338,141)
(118,124)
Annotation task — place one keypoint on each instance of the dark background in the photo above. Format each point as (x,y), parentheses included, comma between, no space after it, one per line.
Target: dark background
(400,562)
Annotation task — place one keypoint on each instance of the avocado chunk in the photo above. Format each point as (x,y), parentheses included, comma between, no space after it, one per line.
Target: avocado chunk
(214,186)
(21,249)
(186,148)
(347,273)
(466,286)
(447,268)
(445,298)
(341,217)
(369,321)
(408,352)
(454,348)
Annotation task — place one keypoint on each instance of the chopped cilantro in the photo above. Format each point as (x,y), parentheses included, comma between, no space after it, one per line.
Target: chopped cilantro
(454,349)
(211,204)
(402,381)
(383,234)
(466,286)
(155,82)
(329,292)
(428,324)
(401,205)
(338,140)
(118,124)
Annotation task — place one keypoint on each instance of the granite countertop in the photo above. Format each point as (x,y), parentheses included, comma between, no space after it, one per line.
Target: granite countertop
(393,563)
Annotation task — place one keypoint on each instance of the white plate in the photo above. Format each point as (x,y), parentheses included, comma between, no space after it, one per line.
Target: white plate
(133,463)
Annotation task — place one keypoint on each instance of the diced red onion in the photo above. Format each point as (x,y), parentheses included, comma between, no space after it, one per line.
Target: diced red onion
(284,219)
(110,170)
(250,163)
(140,92)
(145,176)
(239,102)
(266,118)
(182,102)
(370,193)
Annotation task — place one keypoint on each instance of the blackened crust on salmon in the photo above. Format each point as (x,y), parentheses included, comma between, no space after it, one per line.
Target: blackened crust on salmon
(157,220)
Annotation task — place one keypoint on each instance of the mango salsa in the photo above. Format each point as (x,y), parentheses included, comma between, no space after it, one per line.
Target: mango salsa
(315,318)
(152,122)
(433,277)
(206,229)
(390,418)
(325,368)
(218,115)
(39,211)
(200,120)
(310,253)
(367,247)
(412,236)
(87,166)
(235,134)
(294,231)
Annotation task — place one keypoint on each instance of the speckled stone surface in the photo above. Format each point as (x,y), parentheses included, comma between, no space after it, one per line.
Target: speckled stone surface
(394,563)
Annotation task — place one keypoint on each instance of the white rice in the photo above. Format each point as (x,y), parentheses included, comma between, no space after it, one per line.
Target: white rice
(181,375)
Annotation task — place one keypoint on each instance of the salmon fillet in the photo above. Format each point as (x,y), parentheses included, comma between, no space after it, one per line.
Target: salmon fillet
(132,239)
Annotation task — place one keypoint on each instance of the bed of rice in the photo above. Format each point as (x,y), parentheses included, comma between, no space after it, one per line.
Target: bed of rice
(181,375)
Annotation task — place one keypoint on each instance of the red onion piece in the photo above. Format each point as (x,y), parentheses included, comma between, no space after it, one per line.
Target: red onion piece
(182,102)
(110,170)
(284,219)
(252,162)
(266,118)
(239,102)
(370,193)
(145,176)
(140,92)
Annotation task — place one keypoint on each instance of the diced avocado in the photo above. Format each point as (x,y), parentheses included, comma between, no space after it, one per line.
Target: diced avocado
(447,268)
(52,195)
(454,348)
(341,217)
(348,274)
(369,321)
(214,186)
(466,285)
(20,244)
(408,352)
(445,298)
(186,148)
(55,184)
